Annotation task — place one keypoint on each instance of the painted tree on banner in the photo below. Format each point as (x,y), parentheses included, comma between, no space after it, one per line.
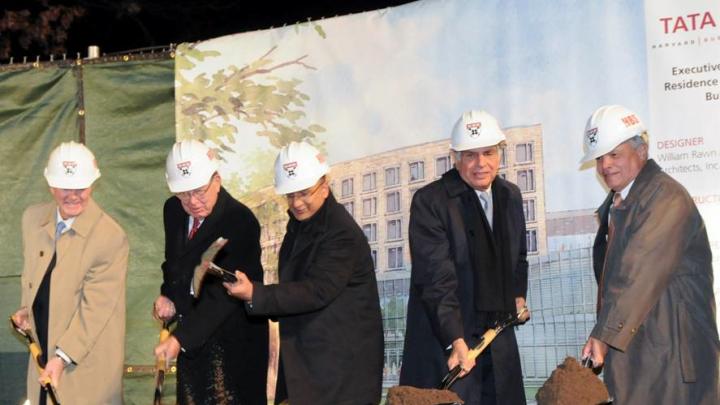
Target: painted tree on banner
(208,104)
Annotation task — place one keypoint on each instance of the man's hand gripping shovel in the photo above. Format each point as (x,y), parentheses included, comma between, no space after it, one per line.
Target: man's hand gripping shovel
(483,343)
(36,353)
(207,266)
(161,365)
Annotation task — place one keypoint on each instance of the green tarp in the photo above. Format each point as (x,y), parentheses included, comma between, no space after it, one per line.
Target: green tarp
(129,125)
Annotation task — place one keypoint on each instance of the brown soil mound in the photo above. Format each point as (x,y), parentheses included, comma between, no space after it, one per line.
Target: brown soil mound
(572,384)
(406,395)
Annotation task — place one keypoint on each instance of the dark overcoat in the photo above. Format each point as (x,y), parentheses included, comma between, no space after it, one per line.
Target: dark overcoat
(656,290)
(224,351)
(331,341)
(441,306)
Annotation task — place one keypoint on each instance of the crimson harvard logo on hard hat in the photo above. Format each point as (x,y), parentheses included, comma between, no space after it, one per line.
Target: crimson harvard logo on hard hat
(591,135)
(184,168)
(474,128)
(70,167)
(289,168)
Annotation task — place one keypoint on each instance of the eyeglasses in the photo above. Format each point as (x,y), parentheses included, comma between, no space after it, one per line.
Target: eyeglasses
(198,193)
(304,195)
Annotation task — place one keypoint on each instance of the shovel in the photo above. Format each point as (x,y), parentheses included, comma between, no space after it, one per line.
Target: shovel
(207,266)
(587,363)
(36,352)
(161,365)
(484,342)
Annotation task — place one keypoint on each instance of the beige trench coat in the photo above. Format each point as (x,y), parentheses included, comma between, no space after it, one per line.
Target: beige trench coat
(87,300)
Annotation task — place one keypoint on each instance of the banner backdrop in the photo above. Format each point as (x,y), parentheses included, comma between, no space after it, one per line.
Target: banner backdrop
(380,91)
(683,52)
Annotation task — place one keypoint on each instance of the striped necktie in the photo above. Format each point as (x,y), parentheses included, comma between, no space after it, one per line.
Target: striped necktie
(194,229)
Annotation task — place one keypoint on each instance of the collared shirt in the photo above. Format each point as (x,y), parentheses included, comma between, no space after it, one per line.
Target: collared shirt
(489,191)
(68,222)
(623,193)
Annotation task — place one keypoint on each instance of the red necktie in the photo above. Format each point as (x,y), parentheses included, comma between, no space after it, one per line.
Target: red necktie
(195,226)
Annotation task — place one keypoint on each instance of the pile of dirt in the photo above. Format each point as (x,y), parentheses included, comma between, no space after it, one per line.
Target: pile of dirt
(572,384)
(406,395)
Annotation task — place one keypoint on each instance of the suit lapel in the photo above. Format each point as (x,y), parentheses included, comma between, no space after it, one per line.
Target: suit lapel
(503,225)
(72,240)
(307,235)
(600,244)
(304,240)
(45,251)
(604,210)
(500,201)
(603,217)
(291,265)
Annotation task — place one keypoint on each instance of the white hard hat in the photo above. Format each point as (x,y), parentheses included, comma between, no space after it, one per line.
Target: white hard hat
(71,166)
(608,127)
(476,129)
(298,166)
(189,165)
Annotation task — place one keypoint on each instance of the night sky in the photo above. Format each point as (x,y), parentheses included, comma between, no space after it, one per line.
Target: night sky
(119,25)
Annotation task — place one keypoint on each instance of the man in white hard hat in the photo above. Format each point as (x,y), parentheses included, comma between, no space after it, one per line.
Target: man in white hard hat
(656,331)
(469,271)
(222,354)
(73,285)
(331,342)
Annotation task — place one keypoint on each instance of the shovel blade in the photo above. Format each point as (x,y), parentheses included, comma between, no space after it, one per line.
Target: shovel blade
(450,378)
(203,267)
(157,399)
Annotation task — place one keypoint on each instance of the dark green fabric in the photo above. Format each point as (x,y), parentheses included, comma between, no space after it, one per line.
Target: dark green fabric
(130,126)
(37,111)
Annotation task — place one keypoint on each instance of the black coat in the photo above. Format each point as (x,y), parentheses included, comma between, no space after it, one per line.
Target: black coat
(331,342)
(441,307)
(216,325)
